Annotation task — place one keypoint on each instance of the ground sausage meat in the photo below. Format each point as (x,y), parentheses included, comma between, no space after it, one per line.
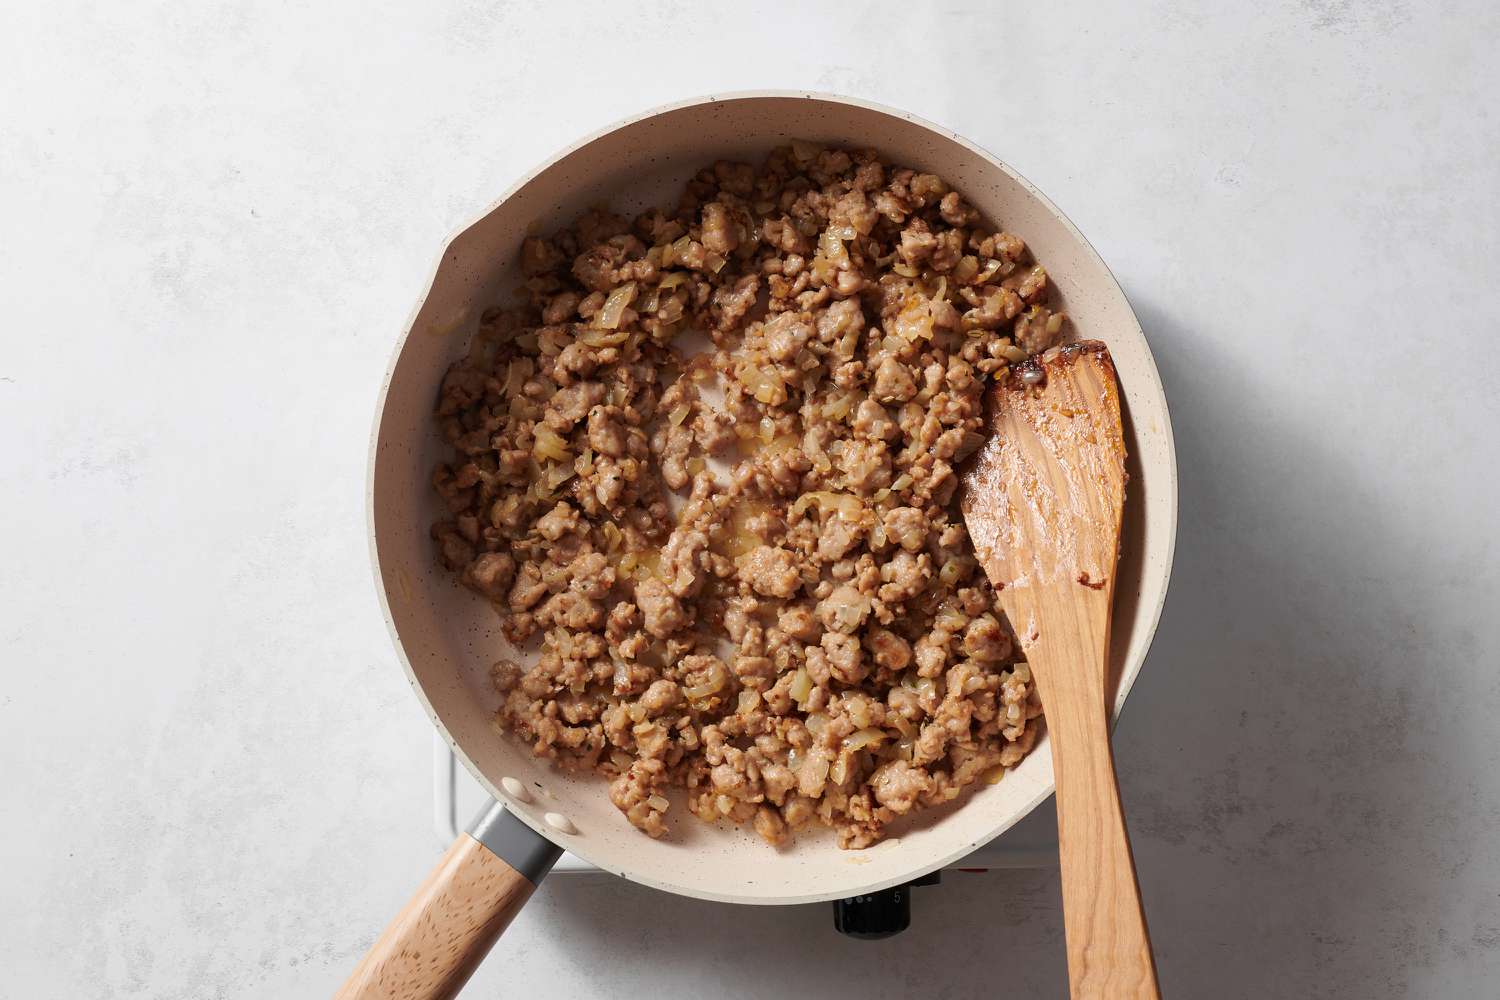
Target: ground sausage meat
(734,580)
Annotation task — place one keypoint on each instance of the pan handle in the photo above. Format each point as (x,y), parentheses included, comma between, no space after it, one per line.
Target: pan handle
(442,934)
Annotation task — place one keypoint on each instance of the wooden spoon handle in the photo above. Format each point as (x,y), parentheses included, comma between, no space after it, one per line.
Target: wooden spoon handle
(1109,947)
(442,934)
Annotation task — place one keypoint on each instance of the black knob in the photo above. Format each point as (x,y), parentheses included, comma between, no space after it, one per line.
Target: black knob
(874,915)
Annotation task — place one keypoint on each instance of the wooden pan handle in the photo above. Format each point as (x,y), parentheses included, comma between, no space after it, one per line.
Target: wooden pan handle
(442,934)
(1109,947)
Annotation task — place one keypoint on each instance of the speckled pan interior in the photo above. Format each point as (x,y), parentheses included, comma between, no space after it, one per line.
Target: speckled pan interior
(446,637)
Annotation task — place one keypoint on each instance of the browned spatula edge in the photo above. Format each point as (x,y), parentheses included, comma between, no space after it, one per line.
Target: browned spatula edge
(1043,503)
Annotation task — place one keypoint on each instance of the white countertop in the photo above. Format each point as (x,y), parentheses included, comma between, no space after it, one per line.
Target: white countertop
(217,217)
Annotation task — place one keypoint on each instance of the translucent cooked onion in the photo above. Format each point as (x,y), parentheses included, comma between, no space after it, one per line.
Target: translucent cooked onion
(549,446)
(955,569)
(600,337)
(713,262)
(814,768)
(864,737)
(914,321)
(801,687)
(832,249)
(679,414)
(749,701)
(816,723)
(848,608)
(839,772)
(614,307)
(966,269)
(765,384)
(843,504)
(988,270)
(672,280)
(713,682)
(657,802)
(556,475)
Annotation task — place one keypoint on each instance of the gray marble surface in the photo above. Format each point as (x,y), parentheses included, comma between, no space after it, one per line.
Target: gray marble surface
(217,216)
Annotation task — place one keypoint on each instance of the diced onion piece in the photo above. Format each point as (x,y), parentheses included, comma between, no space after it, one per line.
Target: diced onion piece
(556,475)
(765,384)
(1054,323)
(839,772)
(906,748)
(801,687)
(952,571)
(840,406)
(713,682)
(815,768)
(549,446)
(794,759)
(966,268)
(600,337)
(696,465)
(913,321)
(845,232)
(994,774)
(749,701)
(614,307)
(1013,354)
(843,504)
(657,802)
(988,270)
(713,262)
(905,270)
(863,738)
(672,280)
(679,414)
(816,723)
(636,711)
(902,482)
(832,248)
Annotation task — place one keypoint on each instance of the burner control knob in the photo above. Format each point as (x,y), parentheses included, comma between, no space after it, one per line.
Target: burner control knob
(876,915)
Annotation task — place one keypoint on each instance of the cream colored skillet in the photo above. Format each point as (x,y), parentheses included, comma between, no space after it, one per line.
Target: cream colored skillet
(447,637)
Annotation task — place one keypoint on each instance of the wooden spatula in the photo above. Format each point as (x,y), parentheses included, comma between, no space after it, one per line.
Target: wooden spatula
(1042,504)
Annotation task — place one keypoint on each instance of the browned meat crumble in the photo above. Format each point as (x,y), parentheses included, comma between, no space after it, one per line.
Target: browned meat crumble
(743,573)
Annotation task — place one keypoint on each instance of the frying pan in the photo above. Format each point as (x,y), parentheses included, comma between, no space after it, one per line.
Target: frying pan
(446,637)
